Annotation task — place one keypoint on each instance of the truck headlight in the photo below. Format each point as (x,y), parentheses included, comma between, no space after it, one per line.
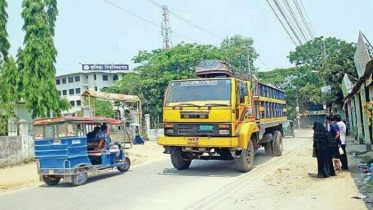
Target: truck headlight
(224,132)
(224,129)
(169,131)
(168,128)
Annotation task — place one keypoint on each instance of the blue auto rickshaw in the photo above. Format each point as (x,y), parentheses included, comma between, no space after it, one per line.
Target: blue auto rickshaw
(70,147)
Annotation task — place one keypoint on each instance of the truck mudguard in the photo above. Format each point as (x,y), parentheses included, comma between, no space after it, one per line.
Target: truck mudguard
(245,133)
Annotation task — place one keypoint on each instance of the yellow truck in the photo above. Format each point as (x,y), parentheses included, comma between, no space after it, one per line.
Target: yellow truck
(218,116)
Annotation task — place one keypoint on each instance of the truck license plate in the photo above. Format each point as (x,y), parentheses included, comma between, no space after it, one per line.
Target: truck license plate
(206,127)
(192,141)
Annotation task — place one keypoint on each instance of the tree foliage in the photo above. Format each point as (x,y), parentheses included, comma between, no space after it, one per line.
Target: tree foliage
(4,43)
(339,60)
(36,61)
(158,67)
(299,83)
(237,49)
(5,65)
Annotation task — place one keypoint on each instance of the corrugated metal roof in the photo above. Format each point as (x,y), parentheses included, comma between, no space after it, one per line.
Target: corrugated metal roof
(111,96)
(45,121)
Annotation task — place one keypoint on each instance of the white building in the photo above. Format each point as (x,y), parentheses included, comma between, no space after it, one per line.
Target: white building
(92,77)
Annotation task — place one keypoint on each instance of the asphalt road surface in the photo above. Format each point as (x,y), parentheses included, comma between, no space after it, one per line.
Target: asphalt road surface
(155,185)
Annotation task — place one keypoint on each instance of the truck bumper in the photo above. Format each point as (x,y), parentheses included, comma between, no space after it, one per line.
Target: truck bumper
(213,142)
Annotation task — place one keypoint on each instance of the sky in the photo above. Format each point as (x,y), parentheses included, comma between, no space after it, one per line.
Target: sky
(93,31)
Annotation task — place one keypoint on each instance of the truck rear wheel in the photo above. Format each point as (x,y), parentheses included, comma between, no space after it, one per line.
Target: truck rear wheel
(246,160)
(277,144)
(179,159)
(268,147)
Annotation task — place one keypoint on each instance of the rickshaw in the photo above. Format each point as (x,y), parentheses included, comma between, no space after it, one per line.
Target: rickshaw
(70,147)
(288,127)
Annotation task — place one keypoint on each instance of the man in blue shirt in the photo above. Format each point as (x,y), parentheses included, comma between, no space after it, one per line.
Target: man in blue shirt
(335,133)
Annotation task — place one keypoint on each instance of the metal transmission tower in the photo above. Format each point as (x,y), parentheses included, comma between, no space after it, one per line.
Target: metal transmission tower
(166,28)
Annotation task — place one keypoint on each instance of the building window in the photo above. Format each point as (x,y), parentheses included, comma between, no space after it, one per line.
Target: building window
(78,102)
(64,92)
(105,78)
(86,76)
(77,90)
(95,77)
(64,81)
(59,93)
(71,92)
(77,78)
(96,88)
(72,103)
(115,77)
(71,79)
(58,81)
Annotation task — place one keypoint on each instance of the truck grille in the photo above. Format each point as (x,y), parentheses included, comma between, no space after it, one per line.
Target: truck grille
(196,130)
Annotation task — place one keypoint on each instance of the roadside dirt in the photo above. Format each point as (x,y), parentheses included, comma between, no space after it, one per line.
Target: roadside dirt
(295,186)
(25,175)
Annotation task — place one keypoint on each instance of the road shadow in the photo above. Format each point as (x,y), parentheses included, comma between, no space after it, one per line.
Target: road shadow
(214,168)
(92,178)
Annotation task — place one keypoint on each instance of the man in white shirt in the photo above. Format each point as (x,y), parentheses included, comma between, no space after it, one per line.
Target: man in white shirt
(342,129)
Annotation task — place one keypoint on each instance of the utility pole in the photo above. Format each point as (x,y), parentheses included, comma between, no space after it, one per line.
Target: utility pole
(166,28)
(249,66)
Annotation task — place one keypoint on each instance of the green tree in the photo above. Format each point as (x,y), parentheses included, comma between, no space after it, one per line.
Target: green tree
(4,43)
(331,57)
(5,96)
(102,108)
(158,67)
(237,49)
(36,61)
(299,83)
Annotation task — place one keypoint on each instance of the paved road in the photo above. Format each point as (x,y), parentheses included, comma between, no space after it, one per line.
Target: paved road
(155,185)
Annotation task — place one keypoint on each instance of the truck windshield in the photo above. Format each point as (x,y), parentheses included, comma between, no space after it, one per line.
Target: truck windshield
(199,92)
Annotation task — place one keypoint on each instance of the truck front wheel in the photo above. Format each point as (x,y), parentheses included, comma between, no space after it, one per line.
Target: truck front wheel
(246,160)
(179,160)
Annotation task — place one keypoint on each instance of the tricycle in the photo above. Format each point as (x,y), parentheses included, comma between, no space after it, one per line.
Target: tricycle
(70,147)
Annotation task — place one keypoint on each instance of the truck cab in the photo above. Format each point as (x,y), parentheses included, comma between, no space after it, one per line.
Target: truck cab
(214,118)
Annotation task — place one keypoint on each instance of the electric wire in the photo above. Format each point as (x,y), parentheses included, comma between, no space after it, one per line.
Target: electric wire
(303,18)
(279,19)
(150,22)
(174,14)
(309,22)
(287,21)
(186,20)
(299,27)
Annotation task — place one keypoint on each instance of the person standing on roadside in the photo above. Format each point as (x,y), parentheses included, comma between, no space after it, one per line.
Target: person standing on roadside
(342,128)
(321,145)
(335,133)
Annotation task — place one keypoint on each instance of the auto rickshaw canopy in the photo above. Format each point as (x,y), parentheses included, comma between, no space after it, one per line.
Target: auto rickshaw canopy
(76,120)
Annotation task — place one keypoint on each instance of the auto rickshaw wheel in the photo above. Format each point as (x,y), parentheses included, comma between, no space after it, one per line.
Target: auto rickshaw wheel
(126,166)
(80,177)
(51,180)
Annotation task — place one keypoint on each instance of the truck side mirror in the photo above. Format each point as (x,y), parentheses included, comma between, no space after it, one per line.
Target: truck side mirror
(246,99)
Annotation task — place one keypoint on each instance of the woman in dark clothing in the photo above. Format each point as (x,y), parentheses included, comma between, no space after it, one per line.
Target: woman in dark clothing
(323,145)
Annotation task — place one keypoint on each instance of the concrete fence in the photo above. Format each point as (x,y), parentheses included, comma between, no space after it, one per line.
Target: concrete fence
(154,134)
(17,149)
